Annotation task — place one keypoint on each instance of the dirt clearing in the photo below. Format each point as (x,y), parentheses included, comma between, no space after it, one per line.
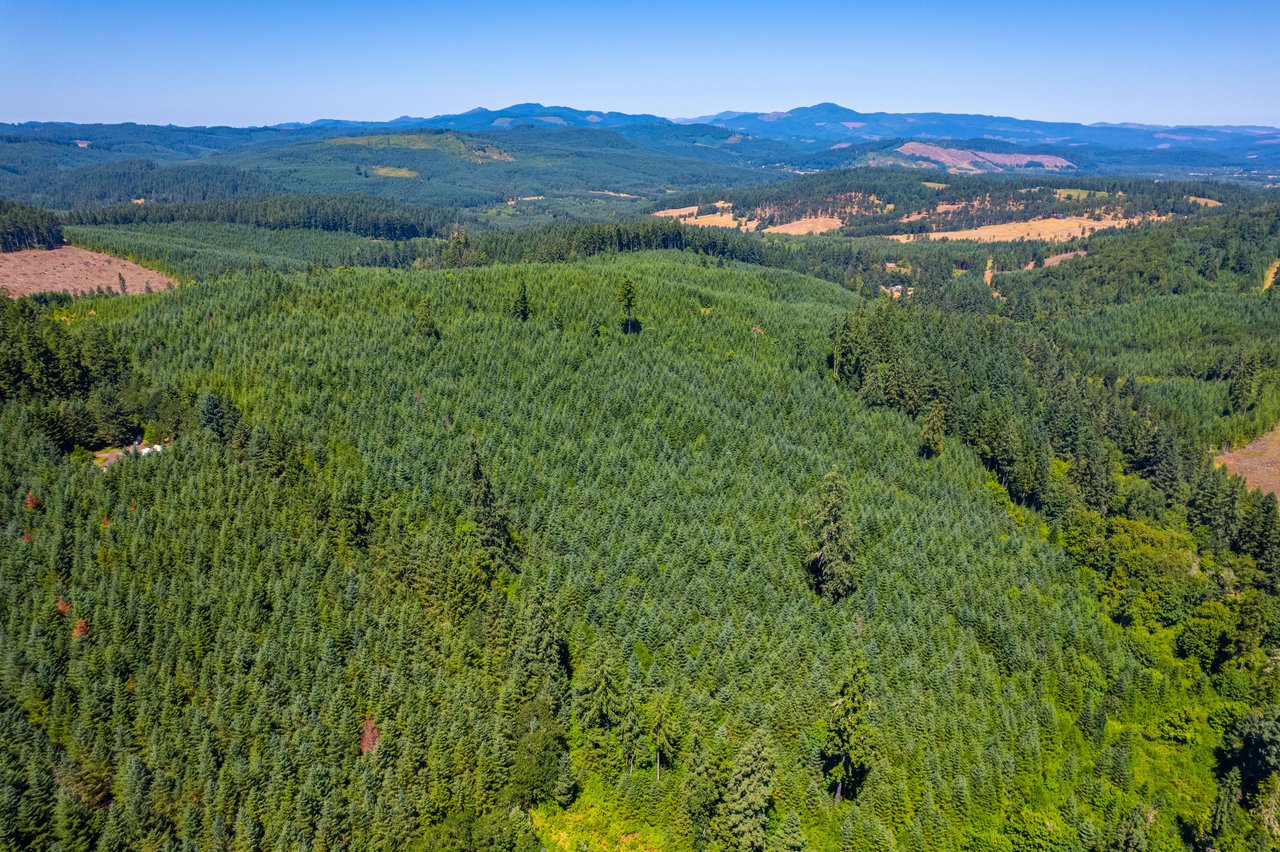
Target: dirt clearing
(1270,277)
(72,270)
(1258,463)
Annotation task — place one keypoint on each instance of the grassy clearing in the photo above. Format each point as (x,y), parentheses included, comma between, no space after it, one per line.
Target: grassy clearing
(394,172)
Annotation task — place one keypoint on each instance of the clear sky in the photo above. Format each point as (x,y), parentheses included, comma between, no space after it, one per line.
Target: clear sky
(263,62)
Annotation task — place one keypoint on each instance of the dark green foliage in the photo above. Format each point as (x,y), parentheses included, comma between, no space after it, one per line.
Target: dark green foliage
(1254,746)
(520,307)
(933,431)
(848,749)
(123,182)
(365,216)
(24,227)
(834,565)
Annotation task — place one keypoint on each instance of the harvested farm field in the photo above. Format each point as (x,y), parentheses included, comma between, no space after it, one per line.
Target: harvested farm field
(808,225)
(1054,230)
(724,218)
(1258,463)
(72,270)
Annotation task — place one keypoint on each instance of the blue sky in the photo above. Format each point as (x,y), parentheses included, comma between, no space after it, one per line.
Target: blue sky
(239,62)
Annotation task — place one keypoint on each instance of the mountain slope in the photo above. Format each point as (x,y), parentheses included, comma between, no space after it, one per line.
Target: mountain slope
(823,125)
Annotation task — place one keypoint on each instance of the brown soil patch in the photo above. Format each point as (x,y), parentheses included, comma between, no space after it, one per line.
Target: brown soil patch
(990,272)
(1203,202)
(808,225)
(369,735)
(934,184)
(1055,230)
(1258,463)
(610,192)
(72,270)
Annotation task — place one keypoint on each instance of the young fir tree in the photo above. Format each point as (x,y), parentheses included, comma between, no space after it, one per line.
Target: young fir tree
(744,809)
(831,563)
(626,294)
(520,308)
(934,430)
(848,730)
(788,837)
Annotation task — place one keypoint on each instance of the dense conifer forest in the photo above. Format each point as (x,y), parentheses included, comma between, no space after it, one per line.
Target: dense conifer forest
(25,227)
(399,526)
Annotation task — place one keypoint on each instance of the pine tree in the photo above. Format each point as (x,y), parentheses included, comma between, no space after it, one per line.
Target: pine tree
(1224,819)
(211,413)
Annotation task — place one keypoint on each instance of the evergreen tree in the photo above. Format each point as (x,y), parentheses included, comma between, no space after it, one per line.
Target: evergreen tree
(520,308)
(789,837)
(744,810)
(848,731)
(831,564)
(934,429)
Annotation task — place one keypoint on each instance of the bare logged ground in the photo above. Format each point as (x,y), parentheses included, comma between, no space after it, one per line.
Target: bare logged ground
(962,160)
(1258,463)
(808,225)
(1270,277)
(72,270)
(1054,230)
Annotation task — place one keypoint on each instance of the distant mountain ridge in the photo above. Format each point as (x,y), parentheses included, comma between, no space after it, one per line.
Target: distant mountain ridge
(824,125)
(827,124)
(735,147)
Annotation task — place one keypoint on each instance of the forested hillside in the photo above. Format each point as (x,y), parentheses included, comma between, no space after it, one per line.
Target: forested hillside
(707,554)
(24,227)
(892,201)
